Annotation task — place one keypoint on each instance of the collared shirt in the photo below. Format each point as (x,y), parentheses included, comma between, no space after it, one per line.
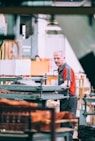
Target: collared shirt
(67,73)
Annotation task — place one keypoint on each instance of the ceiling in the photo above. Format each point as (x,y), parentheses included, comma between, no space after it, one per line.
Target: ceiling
(65,3)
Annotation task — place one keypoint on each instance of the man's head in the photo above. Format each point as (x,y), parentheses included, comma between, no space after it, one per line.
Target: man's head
(37,57)
(59,58)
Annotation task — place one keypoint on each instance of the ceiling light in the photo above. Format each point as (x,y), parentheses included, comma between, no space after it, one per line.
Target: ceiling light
(53,26)
(53,29)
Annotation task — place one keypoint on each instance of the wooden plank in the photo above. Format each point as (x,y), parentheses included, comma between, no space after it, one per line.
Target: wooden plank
(62,121)
(60,130)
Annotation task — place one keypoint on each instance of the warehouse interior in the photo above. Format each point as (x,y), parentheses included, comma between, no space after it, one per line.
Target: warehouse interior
(29,91)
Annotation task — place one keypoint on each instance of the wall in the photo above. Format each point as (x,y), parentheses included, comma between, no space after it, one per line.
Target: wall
(80,34)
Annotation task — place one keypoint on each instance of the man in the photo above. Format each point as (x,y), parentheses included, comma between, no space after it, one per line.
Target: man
(37,57)
(66,77)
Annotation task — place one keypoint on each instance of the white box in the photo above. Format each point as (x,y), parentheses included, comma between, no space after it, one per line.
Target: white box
(15,67)
(22,67)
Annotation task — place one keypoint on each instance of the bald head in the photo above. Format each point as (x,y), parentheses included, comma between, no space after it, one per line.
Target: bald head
(60,52)
(59,58)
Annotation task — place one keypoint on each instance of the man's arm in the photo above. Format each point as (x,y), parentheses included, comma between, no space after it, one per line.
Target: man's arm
(65,84)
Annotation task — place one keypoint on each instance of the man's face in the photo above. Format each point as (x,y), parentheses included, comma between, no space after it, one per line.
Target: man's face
(58,59)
